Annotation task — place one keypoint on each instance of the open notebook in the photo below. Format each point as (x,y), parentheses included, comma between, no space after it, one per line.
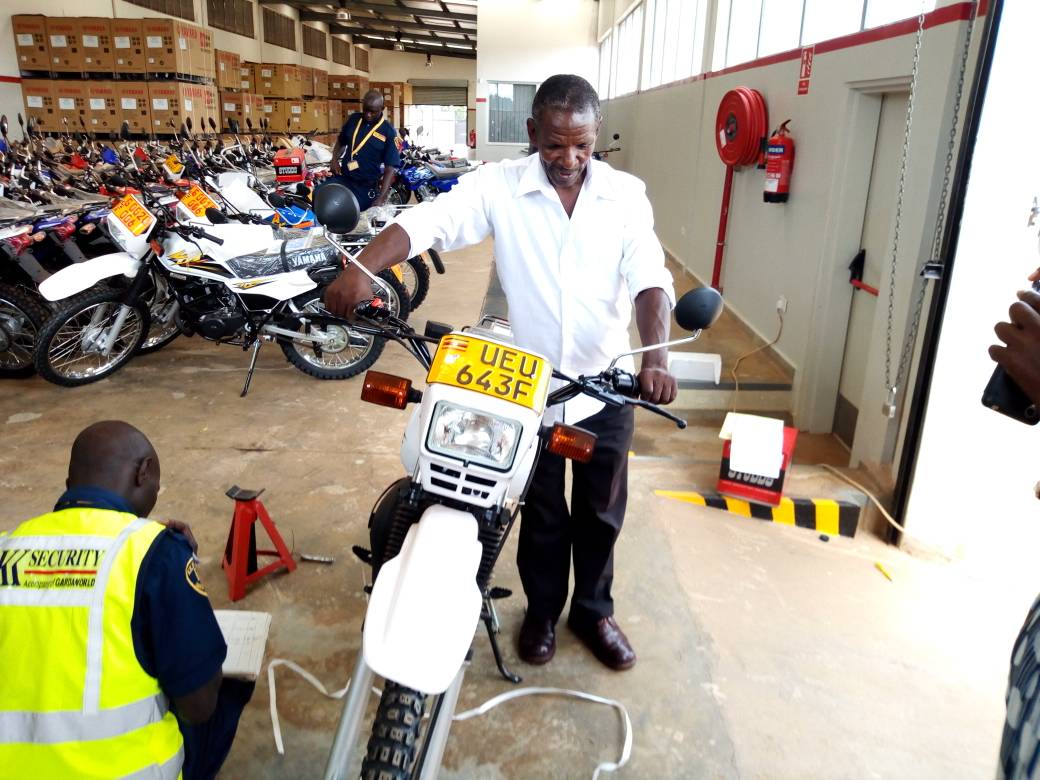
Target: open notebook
(246,637)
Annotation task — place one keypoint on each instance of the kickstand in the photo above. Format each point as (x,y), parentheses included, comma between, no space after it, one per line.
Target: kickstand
(252,366)
(490,623)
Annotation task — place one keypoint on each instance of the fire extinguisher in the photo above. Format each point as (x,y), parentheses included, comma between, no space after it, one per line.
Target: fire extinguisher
(779,166)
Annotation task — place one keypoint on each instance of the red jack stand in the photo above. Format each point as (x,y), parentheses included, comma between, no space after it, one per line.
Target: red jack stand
(240,553)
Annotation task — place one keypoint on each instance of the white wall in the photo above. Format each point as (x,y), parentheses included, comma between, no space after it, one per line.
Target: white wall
(403,66)
(528,41)
(800,249)
(988,510)
(252,49)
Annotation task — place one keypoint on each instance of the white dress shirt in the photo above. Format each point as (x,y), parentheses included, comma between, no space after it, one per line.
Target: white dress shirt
(569,282)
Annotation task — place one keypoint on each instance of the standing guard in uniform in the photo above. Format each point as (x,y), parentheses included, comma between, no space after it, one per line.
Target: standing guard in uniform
(365,156)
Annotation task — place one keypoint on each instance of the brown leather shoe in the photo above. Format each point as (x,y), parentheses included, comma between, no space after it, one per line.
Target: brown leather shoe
(537,642)
(607,642)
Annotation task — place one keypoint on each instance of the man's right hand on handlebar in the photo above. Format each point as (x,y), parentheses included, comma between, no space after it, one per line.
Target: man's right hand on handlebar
(348,290)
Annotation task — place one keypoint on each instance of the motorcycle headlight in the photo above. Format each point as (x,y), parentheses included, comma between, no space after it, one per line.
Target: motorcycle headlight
(473,436)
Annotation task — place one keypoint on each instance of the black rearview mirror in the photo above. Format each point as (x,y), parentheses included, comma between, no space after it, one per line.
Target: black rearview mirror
(698,309)
(212,125)
(124,130)
(233,125)
(249,123)
(3,125)
(189,123)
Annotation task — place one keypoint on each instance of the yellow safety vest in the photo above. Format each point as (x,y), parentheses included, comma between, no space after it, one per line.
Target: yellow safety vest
(74,700)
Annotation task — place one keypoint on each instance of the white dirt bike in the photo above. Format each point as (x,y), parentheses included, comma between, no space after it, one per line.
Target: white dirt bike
(237,284)
(469,451)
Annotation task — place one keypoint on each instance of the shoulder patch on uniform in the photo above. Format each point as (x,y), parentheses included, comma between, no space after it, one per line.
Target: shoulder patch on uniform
(191,574)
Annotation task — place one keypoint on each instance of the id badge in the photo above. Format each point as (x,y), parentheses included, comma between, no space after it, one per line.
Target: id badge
(353,165)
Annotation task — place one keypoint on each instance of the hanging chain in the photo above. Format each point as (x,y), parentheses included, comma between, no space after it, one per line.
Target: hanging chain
(892,384)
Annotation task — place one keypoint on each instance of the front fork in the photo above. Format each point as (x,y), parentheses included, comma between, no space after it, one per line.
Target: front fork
(131,296)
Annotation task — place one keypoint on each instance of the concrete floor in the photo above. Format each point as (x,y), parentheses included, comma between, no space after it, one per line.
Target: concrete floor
(764,651)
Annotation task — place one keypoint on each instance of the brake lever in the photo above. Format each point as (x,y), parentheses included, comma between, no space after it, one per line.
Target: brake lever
(680,423)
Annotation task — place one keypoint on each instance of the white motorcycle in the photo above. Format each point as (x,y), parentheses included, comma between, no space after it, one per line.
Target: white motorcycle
(469,450)
(238,284)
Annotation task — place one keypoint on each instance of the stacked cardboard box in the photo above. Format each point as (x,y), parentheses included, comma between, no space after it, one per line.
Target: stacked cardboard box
(278,81)
(336,115)
(63,40)
(30,41)
(284,116)
(175,101)
(172,46)
(95,44)
(241,106)
(321,83)
(229,69)
(247,73)
(71,98)
(315,116)
(128,45)
(390,90)
(348,87)
(306,81)
(40,105)
(133,106)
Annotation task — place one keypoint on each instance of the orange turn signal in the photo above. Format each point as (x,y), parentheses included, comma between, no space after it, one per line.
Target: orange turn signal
(387,390)
(570,442)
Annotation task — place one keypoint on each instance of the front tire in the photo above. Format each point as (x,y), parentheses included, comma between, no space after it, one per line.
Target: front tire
(68,352)
(416,280)
(392,747)
(351,352)
(21,317)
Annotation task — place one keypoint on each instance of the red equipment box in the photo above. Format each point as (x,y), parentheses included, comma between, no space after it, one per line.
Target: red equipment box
(752,486)
(290,166)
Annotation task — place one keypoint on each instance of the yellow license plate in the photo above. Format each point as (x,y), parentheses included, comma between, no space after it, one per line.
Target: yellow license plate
(131,213)
(492,369)
(197,201)
(173,164)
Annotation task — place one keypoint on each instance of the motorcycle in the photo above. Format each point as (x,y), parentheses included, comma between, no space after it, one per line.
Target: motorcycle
(424,177)
(469,450)
(238,284)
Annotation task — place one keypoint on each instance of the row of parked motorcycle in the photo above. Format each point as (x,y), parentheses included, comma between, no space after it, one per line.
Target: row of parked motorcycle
(114,249)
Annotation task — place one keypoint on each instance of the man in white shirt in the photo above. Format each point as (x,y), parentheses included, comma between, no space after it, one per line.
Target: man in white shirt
(574,249)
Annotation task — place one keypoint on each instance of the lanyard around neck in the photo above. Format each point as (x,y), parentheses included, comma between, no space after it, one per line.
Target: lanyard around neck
(356,147)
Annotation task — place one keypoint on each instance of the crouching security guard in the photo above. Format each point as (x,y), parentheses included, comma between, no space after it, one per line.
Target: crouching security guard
(104,623)
(366,142)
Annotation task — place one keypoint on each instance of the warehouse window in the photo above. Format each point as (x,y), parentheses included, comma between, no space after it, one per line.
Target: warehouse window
(626,59)
(314,43)
(279,30)
(340,51)
(361,59)
(673,40)
(235,16)
(509,106)
(605,48)
(749,29)
(184,9)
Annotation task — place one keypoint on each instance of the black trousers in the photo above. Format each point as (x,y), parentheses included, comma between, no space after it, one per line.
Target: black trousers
(550,535)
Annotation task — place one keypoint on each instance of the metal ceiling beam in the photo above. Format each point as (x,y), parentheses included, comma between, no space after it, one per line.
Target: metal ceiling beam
(349,5)
(389,39)
(409,49)
(406,29)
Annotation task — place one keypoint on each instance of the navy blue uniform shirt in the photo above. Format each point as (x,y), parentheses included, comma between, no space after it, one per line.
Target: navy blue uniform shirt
(380,149)
(175,633)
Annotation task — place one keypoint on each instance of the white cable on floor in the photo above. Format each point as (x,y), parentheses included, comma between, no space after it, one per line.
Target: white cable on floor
(606,766)
(490,704)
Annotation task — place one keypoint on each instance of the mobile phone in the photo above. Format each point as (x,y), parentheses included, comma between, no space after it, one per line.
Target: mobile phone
(1002,394)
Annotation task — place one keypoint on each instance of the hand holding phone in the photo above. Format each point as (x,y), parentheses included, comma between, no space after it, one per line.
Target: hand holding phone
(1012,393)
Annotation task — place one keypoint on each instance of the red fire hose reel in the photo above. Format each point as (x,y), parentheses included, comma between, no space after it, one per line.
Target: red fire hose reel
(740,125)
(740,128)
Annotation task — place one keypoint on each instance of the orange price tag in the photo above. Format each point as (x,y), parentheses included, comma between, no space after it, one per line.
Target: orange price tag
(133,214)
(197,201)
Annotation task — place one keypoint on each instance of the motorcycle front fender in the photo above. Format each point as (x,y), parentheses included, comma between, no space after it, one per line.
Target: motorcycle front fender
(425,604)
(78,277)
